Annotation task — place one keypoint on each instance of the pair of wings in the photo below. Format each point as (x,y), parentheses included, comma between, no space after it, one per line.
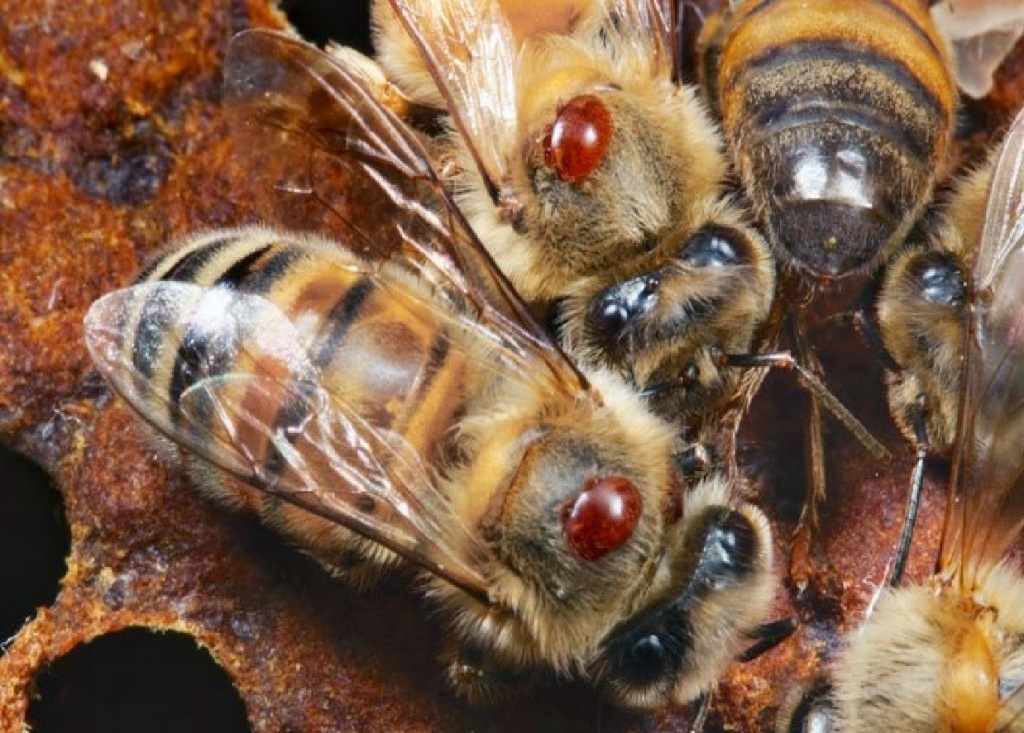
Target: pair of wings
(985,514)
(332,145)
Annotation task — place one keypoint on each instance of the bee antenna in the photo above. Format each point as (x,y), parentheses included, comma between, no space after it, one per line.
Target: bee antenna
(785,360)
(914,496)
(767,636)
(700,713)
(687,377)
(692,7)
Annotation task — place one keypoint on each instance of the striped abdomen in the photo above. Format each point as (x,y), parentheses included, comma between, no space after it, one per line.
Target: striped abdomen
(374,337)
(840,115)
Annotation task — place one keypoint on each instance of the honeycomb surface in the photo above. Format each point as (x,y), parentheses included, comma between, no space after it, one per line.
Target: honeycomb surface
(112,142)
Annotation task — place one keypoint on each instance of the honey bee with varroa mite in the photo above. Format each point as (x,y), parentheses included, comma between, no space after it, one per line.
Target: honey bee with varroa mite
(948,655)
(403,404)
(596,181)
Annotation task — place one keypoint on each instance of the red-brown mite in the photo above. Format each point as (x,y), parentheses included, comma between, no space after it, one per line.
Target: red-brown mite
(602,518)
(576,143)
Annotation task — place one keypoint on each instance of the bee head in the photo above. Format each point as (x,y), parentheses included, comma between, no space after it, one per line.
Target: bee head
(718,588)
(578,520)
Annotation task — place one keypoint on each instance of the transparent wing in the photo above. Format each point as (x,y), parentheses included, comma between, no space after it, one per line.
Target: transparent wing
(986,509)
(348,154)
(470,50)
(982,33)
(246,395)
(651,26)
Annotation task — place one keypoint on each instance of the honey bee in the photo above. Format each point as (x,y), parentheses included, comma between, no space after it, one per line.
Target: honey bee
(839,117)
(921,314)
(580,155)
(948,655)
(921,309)
(387,397)
(598,184)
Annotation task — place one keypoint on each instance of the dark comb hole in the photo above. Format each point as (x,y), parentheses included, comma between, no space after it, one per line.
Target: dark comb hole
(319,21)
(34,541)
(136,680)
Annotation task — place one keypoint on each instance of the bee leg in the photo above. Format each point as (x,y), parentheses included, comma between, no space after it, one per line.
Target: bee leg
(799,566)
(817,389)
(686,378)
(808,709)
(480,677)
(800,569)
(700,713)
(768,636)
(868,329)
(914,495)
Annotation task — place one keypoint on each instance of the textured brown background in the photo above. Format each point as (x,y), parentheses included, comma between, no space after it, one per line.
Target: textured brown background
(111,143)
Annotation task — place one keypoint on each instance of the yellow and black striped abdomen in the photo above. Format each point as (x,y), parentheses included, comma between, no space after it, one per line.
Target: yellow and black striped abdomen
(371,336)
(840,115)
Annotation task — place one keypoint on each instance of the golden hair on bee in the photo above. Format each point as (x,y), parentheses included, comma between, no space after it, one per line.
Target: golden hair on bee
(385,395)
(948,655)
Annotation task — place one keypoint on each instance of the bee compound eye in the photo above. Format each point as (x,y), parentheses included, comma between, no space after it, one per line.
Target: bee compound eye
(602,517)
(609,315)
(577,141)
(647,659)
(711,247)
(612,312)
(940,279)
(730,550)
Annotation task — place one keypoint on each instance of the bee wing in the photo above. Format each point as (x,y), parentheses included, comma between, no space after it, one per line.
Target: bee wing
(320,115)
(986,509)
(251,401)
(651,25)
(291,109)
(982,34)
(470,50)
